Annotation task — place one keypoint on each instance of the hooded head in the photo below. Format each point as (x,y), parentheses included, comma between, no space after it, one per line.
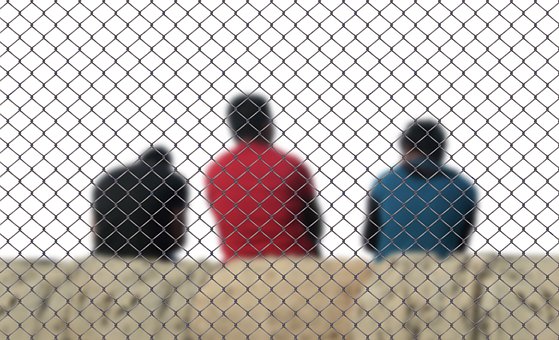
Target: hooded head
(157,155)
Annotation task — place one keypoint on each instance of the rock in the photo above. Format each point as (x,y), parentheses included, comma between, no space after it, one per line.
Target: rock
(520,298)
(417,296)
(98,298)
(405,297)
(279,298)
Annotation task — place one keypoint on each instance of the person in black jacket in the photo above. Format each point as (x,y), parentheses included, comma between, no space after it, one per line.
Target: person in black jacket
(139,210)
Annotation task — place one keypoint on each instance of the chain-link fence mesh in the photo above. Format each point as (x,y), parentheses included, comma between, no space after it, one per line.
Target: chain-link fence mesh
(88,87)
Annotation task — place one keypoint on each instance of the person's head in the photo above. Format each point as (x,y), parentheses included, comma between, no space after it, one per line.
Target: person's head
(424,138)
(249,117)
(156,155)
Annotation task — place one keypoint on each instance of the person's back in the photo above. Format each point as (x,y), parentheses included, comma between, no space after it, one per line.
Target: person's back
(139,210)
(262,198)
(420,204)
(419,213)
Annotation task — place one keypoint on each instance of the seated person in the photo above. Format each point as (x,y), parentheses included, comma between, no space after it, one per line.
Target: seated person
(140,210)
(421,204)
(262,198)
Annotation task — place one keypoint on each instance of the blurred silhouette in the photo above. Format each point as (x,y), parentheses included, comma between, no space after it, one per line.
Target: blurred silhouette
(262,198)
(140,210)
(420,204)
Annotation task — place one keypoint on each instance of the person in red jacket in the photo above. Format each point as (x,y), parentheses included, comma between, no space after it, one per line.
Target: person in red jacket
(262,198)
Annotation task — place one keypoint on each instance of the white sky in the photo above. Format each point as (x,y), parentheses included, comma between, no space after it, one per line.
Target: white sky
(88,85)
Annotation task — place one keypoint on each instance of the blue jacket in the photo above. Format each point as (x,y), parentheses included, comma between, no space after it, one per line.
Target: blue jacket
(420,206)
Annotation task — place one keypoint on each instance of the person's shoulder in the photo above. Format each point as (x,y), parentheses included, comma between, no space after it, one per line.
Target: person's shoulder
(459,179)
(386,180)
(220,161)
(292,160)
(391,174)
(177,182)
(177,178)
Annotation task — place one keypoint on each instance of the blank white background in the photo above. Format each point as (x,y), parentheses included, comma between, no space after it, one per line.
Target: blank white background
(89,85)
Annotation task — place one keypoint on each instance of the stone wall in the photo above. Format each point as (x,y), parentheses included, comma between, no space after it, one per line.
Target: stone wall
(412,297)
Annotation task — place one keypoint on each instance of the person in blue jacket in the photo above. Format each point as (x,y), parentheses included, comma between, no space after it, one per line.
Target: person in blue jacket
(420,204)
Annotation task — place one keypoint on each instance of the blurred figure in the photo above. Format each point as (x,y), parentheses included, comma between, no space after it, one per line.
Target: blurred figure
(420,204)
(262,198)
(140,210)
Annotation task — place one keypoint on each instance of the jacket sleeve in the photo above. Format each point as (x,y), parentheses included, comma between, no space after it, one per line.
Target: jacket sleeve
(310,215)
(94,204)
(311,219)
(372,225)
(470,218)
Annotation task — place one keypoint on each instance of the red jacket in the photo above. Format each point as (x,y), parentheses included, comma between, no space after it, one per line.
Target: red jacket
(256,194)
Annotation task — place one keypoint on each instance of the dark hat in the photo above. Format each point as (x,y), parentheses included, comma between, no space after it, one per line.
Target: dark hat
(156,154)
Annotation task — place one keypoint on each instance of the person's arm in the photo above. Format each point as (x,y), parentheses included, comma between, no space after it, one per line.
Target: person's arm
(372,225)
(101,205)
(467,230)
(470,218)
(95,214)
(177,228)
(310,217)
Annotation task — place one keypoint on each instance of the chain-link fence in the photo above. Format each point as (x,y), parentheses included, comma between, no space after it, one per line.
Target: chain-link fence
(88,87)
